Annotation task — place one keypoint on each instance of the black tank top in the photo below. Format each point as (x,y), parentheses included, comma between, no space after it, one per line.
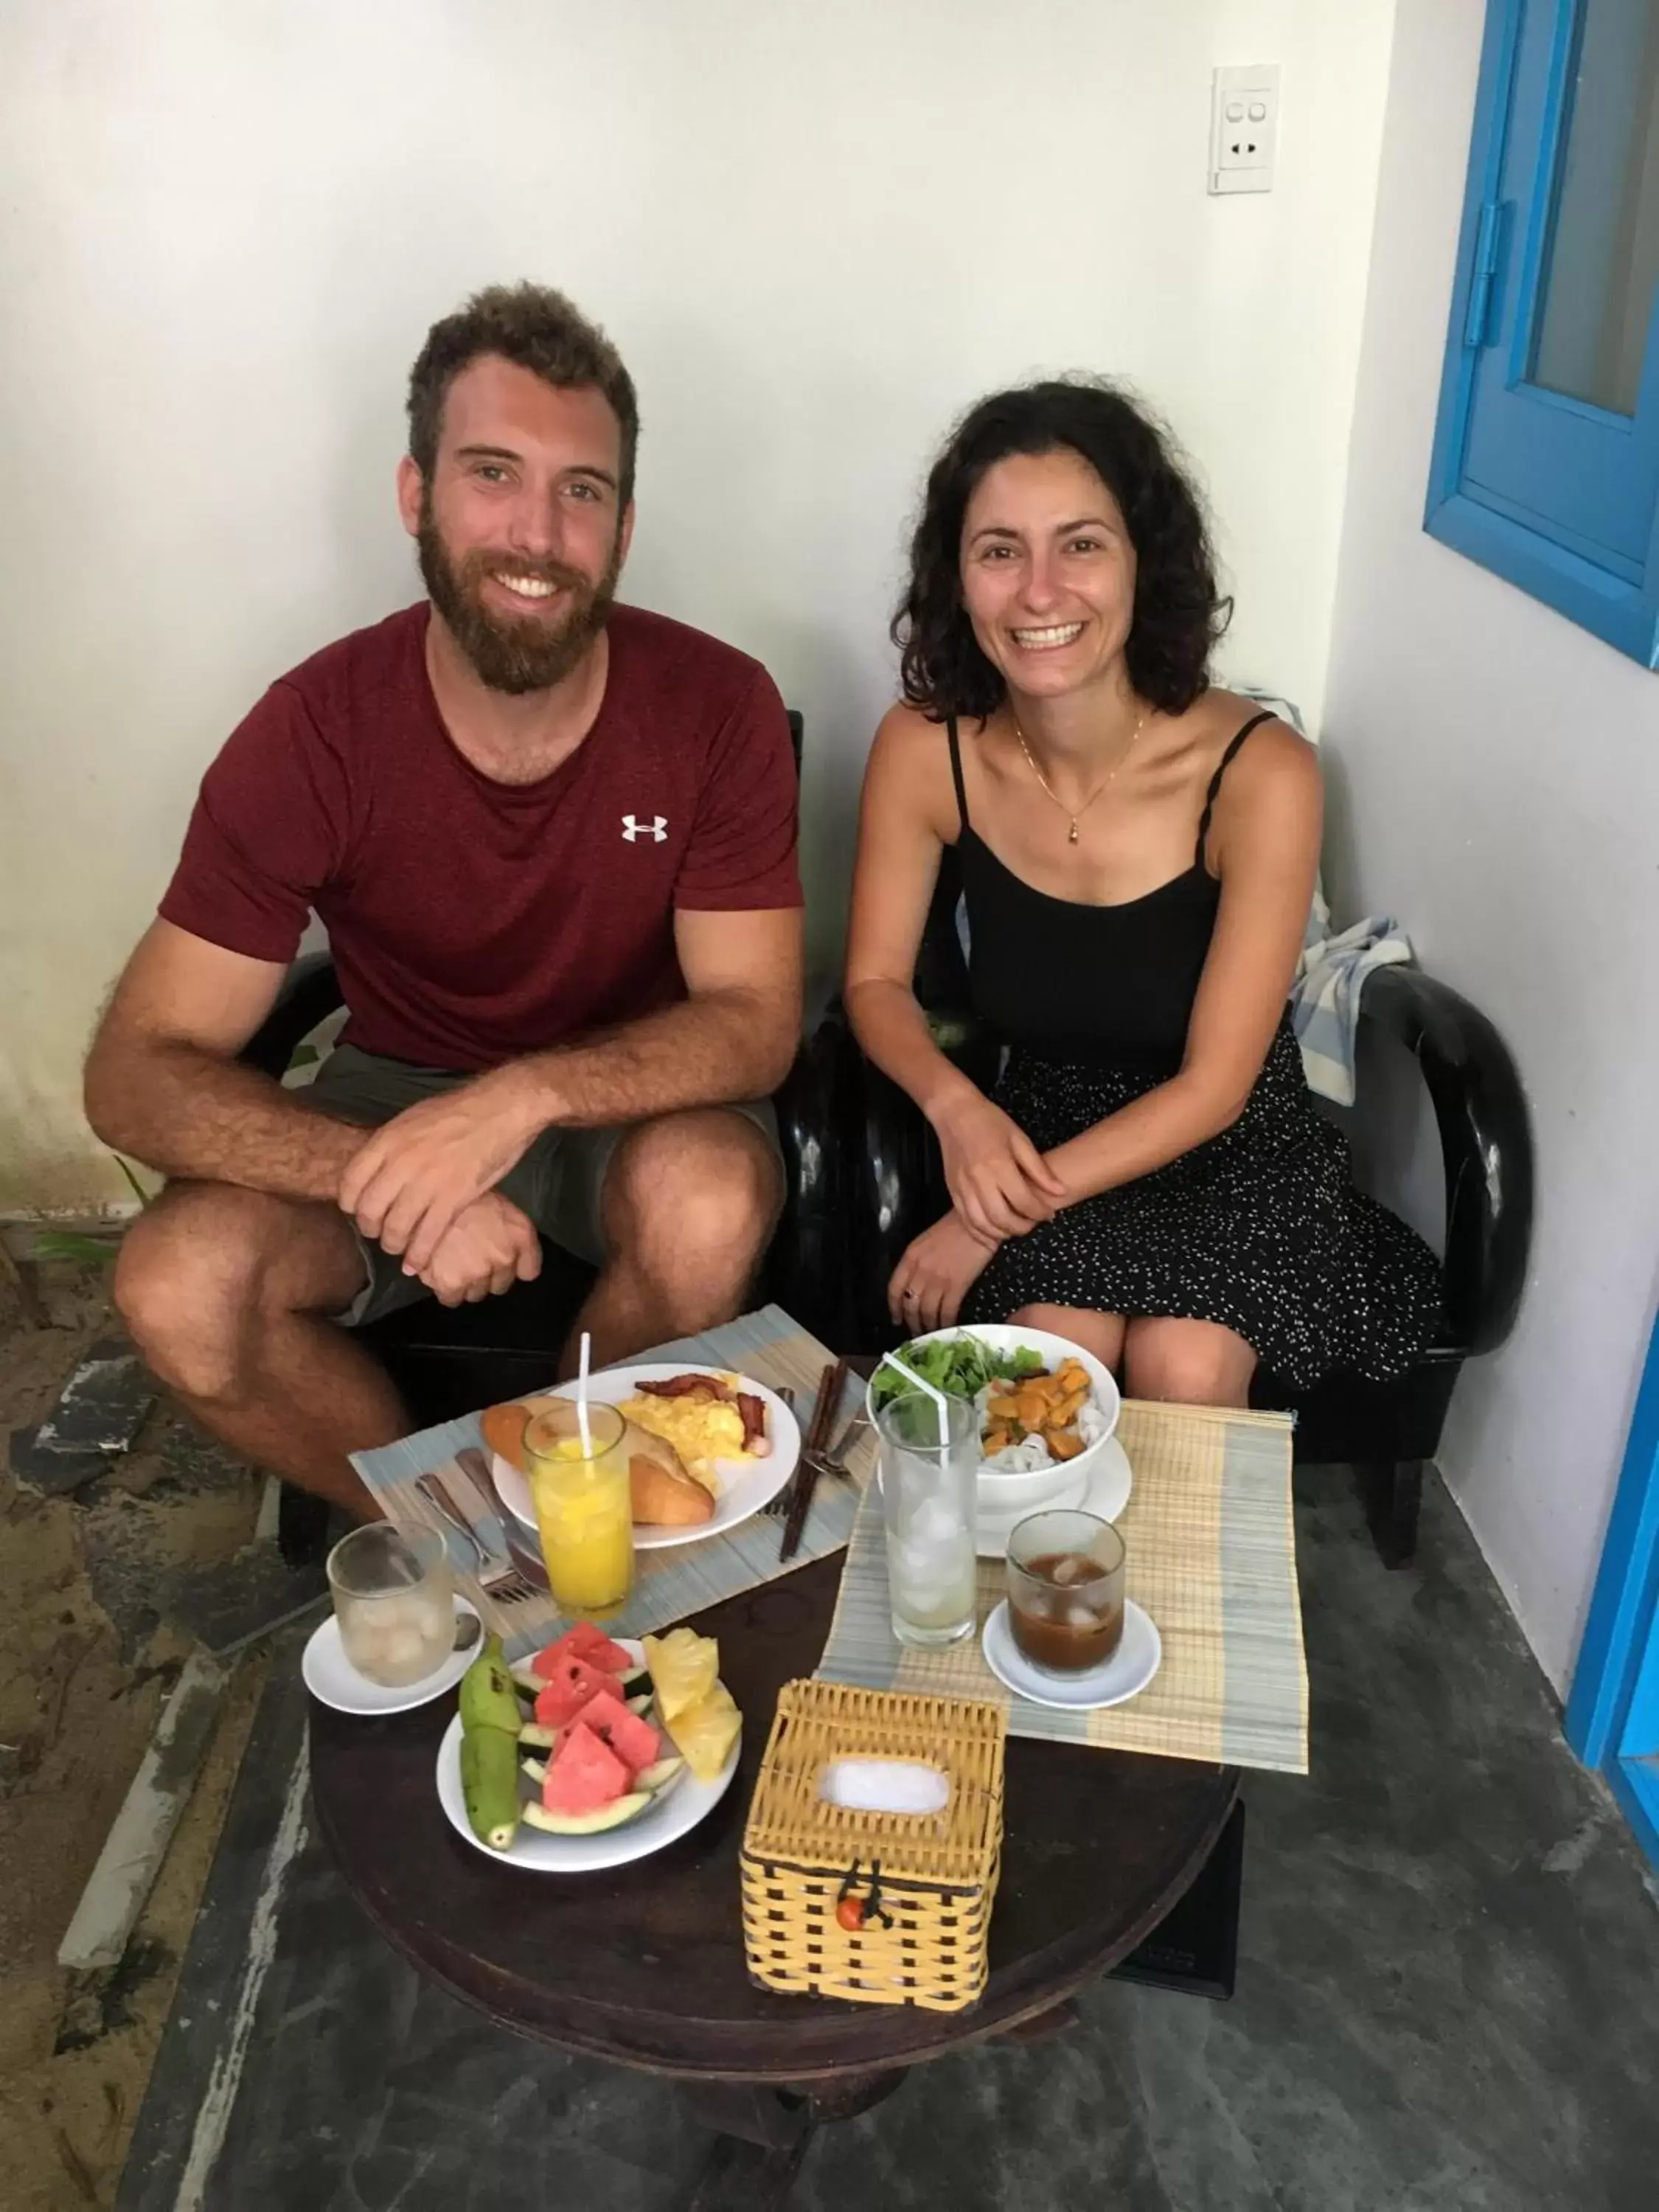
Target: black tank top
(1070,981)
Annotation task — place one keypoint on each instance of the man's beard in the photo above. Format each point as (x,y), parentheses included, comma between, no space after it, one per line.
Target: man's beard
(516,657)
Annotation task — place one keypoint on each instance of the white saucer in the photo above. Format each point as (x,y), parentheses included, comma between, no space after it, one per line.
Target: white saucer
(1125,1674)
(329,1675)
(1105,1491)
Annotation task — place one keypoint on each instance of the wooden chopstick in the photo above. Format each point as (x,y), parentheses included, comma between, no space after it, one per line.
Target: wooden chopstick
(806,1474)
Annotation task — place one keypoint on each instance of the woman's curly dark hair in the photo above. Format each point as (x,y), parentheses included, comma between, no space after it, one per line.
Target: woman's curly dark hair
(1179,612)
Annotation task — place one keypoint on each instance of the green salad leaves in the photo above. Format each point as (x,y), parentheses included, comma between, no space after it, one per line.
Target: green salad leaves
(960,1366)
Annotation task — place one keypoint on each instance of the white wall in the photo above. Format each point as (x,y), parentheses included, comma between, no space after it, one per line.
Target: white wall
(1496,774)
(816,232)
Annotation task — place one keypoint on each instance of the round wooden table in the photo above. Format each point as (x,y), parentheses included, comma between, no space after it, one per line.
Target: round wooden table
(644,1964)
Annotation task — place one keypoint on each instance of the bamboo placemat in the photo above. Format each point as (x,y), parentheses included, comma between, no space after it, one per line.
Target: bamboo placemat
(669,1585)
(1212,1558)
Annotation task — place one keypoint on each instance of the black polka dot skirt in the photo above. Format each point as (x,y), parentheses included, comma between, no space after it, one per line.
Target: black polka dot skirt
(1261,1229)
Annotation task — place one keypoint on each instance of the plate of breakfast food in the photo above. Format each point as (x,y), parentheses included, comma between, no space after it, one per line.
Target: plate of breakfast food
(707,1449)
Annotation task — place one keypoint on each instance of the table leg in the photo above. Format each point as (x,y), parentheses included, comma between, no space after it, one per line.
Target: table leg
(743,2177)
(754,2112)
(762,2133)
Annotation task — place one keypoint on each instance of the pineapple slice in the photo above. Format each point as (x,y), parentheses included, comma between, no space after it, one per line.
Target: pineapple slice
(683,1666)
(705,1734)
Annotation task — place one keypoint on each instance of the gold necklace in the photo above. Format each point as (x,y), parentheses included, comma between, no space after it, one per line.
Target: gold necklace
(1070,835)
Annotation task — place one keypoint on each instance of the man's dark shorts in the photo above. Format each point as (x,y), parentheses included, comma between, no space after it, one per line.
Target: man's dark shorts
(559,1183)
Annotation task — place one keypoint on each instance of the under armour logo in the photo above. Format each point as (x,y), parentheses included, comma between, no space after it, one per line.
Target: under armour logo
(657,827)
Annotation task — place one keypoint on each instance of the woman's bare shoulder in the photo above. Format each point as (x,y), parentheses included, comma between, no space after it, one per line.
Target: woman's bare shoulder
(1272,756)
(905,732)
(910,760)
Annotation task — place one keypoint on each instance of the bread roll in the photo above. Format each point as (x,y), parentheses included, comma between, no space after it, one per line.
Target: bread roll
(663,1499)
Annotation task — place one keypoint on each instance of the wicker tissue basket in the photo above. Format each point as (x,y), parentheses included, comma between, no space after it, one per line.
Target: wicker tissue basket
(917,1888)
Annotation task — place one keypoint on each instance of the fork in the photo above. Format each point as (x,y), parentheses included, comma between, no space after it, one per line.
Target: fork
(499,1579)
(832,1459)
(778,1506)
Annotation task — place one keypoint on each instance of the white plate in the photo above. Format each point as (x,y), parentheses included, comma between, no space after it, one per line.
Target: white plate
(1054,1349)
(1125,1674)
(1105,1491)
(329,1675)
(678,1809)
(746,1485)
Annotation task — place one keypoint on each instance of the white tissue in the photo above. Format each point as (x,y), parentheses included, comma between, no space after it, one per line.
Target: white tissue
(885,1785)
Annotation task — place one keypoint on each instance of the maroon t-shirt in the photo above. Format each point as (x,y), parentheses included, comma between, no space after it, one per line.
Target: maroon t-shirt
(471,921)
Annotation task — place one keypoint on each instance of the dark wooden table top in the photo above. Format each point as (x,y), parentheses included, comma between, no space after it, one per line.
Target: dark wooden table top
(644,1964)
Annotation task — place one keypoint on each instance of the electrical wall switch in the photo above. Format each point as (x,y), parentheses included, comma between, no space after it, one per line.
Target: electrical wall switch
(1244,128)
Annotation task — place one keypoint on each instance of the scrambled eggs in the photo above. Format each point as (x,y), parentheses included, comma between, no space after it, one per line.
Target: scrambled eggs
(702,1431)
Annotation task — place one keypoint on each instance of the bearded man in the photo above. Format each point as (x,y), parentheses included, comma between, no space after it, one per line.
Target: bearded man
(553,841)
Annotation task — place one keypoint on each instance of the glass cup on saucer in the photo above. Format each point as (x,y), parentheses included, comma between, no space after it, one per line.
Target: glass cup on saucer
(1066,1590)
(394,1599)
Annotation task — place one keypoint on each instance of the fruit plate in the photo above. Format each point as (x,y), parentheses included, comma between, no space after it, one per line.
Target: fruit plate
(678,1809)
(746,1485)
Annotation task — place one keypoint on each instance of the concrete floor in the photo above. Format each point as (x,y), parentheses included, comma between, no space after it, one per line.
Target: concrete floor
(1448,1996)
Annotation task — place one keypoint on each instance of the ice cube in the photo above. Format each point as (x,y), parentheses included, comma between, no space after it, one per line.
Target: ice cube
(1081,1616)
(402,1647)
(934,1521)
(1069,1570)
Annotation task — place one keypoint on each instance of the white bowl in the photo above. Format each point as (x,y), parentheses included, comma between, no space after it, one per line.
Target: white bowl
(1026,1492)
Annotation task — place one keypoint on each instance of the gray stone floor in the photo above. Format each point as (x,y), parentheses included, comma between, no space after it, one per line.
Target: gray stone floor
(1448,1997)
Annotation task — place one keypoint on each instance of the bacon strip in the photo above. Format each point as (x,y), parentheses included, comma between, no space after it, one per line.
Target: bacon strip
(753,1410)
(688,1386)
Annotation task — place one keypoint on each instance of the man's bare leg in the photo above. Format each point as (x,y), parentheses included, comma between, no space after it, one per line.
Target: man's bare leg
(225,1292)
(688,1205)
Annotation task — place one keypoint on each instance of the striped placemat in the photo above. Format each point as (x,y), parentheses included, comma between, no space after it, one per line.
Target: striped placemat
(669,1585)
(1212,1558)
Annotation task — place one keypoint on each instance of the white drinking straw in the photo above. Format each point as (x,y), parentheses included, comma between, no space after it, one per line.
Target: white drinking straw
(938,1397)
(582,1396)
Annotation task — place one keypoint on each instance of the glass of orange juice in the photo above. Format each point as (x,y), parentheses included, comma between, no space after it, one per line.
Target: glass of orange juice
(582,1506)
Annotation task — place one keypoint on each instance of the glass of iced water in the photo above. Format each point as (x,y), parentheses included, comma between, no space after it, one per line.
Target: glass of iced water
(394,1599)
(927,1494)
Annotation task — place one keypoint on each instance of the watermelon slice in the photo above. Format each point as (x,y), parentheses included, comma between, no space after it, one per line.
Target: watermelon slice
(587,1642)
(587,1824)
(584,1774)
(564,1693)
(633,1739)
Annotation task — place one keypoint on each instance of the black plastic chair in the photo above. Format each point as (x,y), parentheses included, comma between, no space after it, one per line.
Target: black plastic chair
(1386,1430)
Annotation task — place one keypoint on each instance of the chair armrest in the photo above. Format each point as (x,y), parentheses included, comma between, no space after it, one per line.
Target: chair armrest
(1485,1142)
(896,1177)
(310,993)
(812,1264)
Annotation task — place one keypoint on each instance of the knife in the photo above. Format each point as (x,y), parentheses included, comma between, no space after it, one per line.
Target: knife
(806,1475)
(525,1555)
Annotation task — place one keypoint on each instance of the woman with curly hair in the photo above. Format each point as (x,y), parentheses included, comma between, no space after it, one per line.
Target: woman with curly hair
(1138,850)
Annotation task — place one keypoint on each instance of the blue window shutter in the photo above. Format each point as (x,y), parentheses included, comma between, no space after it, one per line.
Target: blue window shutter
(1556,493)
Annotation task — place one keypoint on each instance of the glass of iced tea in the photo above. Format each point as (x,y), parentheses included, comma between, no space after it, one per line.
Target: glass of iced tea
(583,1508)
(1066,1590)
